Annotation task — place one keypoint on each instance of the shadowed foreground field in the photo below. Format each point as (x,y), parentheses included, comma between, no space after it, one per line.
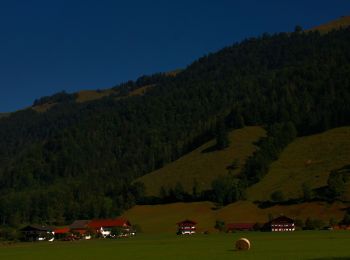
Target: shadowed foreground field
(297,245)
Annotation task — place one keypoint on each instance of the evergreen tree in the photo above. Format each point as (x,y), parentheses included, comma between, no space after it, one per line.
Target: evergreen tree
(222,139)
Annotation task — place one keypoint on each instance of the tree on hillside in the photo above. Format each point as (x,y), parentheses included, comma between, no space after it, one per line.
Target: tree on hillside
(336,184)
(298,29)
(307,191)
(222,139)
(346,219)
(220,225)
(178,193)
(277,196)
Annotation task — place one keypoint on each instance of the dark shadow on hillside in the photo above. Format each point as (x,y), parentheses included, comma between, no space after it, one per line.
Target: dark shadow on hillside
(322,193)
(210,149)
(268,203)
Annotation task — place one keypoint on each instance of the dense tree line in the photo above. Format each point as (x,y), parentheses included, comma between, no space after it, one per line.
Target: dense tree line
(78,160)
(60,97)
(337,181)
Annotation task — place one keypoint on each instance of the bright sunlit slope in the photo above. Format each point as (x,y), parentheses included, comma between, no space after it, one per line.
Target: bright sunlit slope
(343,21)
(309,160)
(203,166)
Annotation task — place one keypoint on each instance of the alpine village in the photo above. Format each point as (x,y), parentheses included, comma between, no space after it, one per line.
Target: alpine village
(250,141)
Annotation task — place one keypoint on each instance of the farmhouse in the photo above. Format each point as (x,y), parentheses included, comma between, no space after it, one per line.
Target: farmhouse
(105,226)
(37,233)
(280,224)
(81,227)
(186,227)
(232,227)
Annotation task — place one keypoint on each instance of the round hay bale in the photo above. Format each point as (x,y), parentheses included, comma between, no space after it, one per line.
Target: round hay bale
(242,244)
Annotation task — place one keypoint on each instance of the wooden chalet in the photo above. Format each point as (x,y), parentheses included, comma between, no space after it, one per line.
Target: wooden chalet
(37,233)
(105,226)
(186,227)
(232,227)
(280,224)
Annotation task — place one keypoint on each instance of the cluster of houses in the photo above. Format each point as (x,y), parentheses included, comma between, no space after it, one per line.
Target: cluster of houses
(80,229)
(280,224)
(119,227)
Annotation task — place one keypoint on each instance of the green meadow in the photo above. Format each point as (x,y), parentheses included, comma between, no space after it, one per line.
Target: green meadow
(203,167)
(296,245)
(308,159)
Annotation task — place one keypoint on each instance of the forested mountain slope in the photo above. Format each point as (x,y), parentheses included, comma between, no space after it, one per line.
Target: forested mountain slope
(77,160)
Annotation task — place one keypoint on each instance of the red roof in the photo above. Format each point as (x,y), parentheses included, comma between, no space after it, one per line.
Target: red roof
(282,220)
(61,230)
(231,226)
(186,222)
(118,222)
(80,231)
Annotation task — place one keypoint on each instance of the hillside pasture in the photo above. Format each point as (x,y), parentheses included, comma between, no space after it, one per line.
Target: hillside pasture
(89,95)
(343,21)
(308,159)
(163,218)
(203,167)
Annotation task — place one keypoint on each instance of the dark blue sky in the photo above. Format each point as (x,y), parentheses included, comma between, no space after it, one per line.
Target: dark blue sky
(51,45)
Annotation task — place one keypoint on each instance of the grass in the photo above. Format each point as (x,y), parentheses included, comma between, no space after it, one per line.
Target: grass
(89,95)
(343,21)
(165,217)
(307,160)
(296,245)
(204,167)
(44,107)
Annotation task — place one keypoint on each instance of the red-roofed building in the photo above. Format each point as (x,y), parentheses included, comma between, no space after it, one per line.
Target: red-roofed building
(81,227)
(186,227)
(231,227)
(280,224)
(105,226)
(61,232)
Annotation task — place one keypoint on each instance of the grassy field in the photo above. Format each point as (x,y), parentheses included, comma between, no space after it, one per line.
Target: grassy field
(296,245)
(204,166)
(308,159)
(89,95)
(165,217)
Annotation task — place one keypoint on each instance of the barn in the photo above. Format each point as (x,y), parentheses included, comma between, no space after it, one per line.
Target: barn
(232,227)
(37,233)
